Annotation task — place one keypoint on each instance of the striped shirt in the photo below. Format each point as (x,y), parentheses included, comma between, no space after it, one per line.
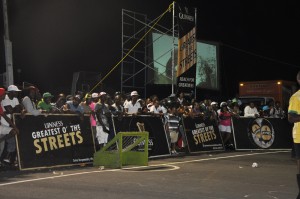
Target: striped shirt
(172,122)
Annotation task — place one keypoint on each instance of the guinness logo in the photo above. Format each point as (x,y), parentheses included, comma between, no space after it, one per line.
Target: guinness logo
(186,15)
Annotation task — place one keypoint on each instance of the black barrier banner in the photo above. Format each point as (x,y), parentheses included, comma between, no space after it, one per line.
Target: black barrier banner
(262,133)
(158,143)
(202,135)
(187,49)
(54,140)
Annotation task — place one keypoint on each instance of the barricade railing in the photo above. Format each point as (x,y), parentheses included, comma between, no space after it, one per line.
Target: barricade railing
(126,148)
(54,140)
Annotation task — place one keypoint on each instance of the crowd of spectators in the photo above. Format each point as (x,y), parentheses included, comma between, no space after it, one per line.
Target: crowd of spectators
(102,105)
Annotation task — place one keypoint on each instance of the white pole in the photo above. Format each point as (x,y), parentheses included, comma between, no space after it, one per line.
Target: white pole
(8,48)
(173,51)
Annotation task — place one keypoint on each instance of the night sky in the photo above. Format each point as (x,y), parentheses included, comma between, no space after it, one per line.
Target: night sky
(52,39)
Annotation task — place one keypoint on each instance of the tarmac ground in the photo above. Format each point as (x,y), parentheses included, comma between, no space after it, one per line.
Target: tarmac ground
(210,175)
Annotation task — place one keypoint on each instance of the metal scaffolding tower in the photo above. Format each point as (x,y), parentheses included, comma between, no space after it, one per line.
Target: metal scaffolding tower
(133,72)
(137,66)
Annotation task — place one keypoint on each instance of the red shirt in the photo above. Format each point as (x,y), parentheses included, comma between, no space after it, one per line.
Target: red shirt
(227,120)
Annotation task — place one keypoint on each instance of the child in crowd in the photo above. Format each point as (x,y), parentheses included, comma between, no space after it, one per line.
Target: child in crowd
(172,127)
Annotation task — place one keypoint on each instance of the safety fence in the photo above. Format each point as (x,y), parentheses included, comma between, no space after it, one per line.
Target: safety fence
(66,139)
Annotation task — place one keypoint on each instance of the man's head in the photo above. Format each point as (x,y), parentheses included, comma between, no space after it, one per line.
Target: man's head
(156,103)
(214,104)
(47,97)
(118,99)
(13,91)
(76,100)
(95,97)
(61,95)
(181,95)
(102,96)
(172,109)
(88,99)
(60,101)
(223,104)
(33,92)
(134,95)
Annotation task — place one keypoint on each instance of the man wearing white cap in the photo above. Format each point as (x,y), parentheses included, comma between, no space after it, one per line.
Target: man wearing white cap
(10,105)
(102,114)
(133,107)
(11,102)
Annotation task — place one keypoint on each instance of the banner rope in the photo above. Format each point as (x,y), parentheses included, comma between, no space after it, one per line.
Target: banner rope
(159,18)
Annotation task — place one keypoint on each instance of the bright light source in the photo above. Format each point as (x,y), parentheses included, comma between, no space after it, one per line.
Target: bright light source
(241,84)
(278,83)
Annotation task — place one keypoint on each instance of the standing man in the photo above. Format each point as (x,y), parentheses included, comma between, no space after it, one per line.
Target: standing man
(6,131)
(133,107)
(172,127)
(103,114)
(10,104)
(294,117)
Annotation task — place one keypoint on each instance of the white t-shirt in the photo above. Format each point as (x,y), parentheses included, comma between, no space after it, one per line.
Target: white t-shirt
(159,109)
(153,109)
(250,112)
(6,102)
(132,109)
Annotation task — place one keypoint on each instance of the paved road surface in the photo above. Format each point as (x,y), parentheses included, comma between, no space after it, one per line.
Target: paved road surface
(226,175)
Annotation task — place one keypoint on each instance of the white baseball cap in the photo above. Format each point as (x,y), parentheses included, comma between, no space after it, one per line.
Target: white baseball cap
(13,88)
(102,93)
(94,95)
(134,93)
(213,103)
(223,104)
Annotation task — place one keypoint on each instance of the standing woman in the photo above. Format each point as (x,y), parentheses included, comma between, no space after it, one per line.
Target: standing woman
(225,125)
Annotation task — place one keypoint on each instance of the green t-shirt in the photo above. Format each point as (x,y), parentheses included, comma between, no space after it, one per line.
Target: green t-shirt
(44,106)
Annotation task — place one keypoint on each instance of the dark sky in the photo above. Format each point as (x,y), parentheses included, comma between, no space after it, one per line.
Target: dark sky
(52,39)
